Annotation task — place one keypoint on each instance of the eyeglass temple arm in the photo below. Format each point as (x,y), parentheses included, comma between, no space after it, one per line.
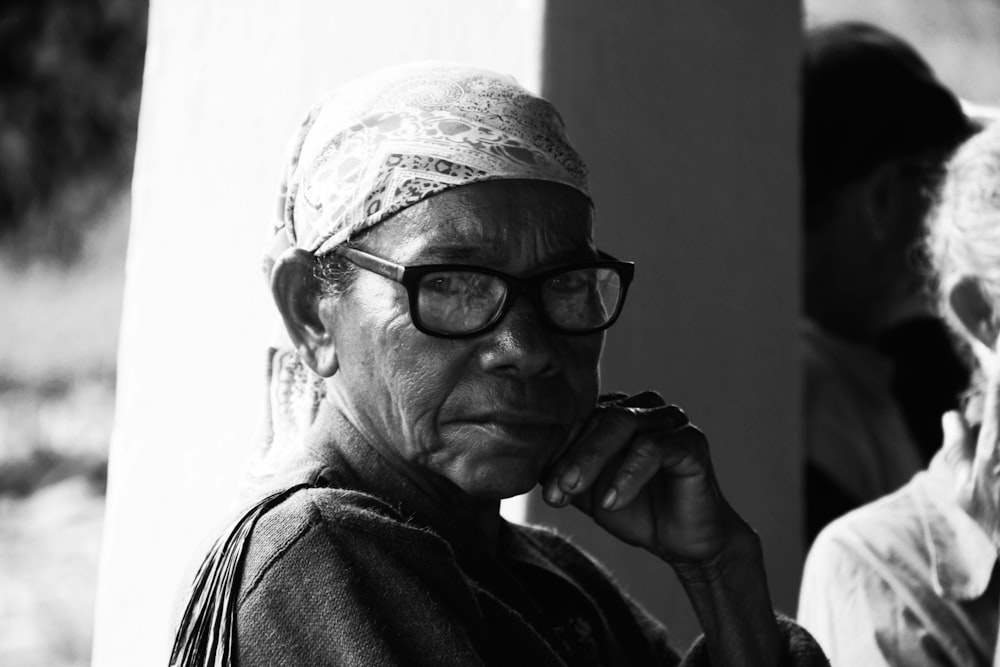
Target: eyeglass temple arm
(383,267)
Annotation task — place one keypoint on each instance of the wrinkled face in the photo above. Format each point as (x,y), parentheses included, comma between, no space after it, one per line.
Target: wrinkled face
(484,413)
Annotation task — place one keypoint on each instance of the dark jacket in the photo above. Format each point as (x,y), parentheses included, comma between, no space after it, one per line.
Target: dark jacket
(358,567)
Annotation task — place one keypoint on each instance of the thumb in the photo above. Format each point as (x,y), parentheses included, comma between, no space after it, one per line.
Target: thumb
(959,447)
(989,430)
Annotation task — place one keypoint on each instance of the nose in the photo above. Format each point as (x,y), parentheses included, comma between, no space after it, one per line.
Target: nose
(521,345)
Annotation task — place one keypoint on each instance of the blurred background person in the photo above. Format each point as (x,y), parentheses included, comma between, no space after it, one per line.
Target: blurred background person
(879,366)
(909,579)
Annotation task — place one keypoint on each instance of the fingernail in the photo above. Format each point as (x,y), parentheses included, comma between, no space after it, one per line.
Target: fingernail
(609,498)
(553,496)
(570,478)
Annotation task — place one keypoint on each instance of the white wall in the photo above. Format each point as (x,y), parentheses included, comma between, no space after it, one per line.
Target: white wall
(686,112)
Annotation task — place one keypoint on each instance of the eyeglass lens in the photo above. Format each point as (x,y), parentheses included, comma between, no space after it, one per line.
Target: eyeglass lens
(456,302)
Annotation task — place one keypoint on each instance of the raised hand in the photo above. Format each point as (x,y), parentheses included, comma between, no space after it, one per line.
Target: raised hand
(972,455)
(644,473)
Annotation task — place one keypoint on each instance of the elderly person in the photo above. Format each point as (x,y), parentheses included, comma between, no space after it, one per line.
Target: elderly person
(879,365)
(911,578)
(435,269)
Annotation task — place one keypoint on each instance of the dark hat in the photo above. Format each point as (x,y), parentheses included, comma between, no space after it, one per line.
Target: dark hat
(869,97)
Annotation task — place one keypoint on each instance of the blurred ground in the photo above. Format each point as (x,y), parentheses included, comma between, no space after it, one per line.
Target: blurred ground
(58,342)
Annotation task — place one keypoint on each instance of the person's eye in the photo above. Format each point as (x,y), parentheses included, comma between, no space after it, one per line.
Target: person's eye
(440,284)
(571,283)
(457,285)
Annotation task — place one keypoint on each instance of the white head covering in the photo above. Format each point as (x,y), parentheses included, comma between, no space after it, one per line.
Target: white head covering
(388,140)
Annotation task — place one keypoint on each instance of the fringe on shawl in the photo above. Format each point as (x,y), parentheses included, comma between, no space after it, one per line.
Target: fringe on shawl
(207,633)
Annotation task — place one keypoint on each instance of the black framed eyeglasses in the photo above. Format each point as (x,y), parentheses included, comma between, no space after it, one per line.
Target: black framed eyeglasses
(464,300)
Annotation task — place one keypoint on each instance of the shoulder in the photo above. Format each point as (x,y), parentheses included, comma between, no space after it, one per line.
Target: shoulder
(317,527)
(888,529)
(888,583)
(333,576)
(865,565)
(875,551)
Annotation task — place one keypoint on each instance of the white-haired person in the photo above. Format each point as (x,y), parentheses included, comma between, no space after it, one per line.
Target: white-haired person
(910,578)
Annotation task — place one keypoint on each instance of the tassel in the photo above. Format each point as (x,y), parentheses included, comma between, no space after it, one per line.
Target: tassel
(207,633)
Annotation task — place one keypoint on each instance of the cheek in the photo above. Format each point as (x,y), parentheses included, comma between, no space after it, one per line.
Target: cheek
(421,380)
(391,359)
(581,363)
(407,376)
(419,374)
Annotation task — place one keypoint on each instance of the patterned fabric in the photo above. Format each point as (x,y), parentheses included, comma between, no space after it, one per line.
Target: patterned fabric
(294,393)
(392,139)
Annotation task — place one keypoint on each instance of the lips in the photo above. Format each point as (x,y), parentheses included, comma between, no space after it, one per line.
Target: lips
(514,418)
(511,427)
(530,435)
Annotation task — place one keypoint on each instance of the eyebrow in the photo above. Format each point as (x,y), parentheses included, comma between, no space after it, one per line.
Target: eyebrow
(459,253)
(485,255)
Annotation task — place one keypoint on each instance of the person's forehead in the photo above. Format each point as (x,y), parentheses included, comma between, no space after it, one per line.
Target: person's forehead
(492,221)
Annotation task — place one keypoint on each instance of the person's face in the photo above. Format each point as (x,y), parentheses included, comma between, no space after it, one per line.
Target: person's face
(484,413)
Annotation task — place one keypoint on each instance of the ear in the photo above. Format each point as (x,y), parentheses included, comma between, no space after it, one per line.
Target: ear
(973,309)
(299,297)
(885,201)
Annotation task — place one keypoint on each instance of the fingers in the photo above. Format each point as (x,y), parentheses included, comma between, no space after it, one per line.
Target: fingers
(683,451)
(958,448)
(989,431)
(624,443)
(644,399)
(957,436)
(606,432)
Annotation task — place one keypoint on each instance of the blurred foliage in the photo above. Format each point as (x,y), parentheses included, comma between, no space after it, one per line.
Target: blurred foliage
(70,78)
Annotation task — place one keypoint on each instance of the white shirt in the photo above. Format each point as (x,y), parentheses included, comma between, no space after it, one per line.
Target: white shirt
(905,580)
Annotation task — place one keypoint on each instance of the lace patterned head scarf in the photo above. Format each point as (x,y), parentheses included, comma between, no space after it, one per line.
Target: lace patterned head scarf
(380,144)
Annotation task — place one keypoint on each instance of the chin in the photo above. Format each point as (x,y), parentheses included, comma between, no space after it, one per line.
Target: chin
(500,480)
